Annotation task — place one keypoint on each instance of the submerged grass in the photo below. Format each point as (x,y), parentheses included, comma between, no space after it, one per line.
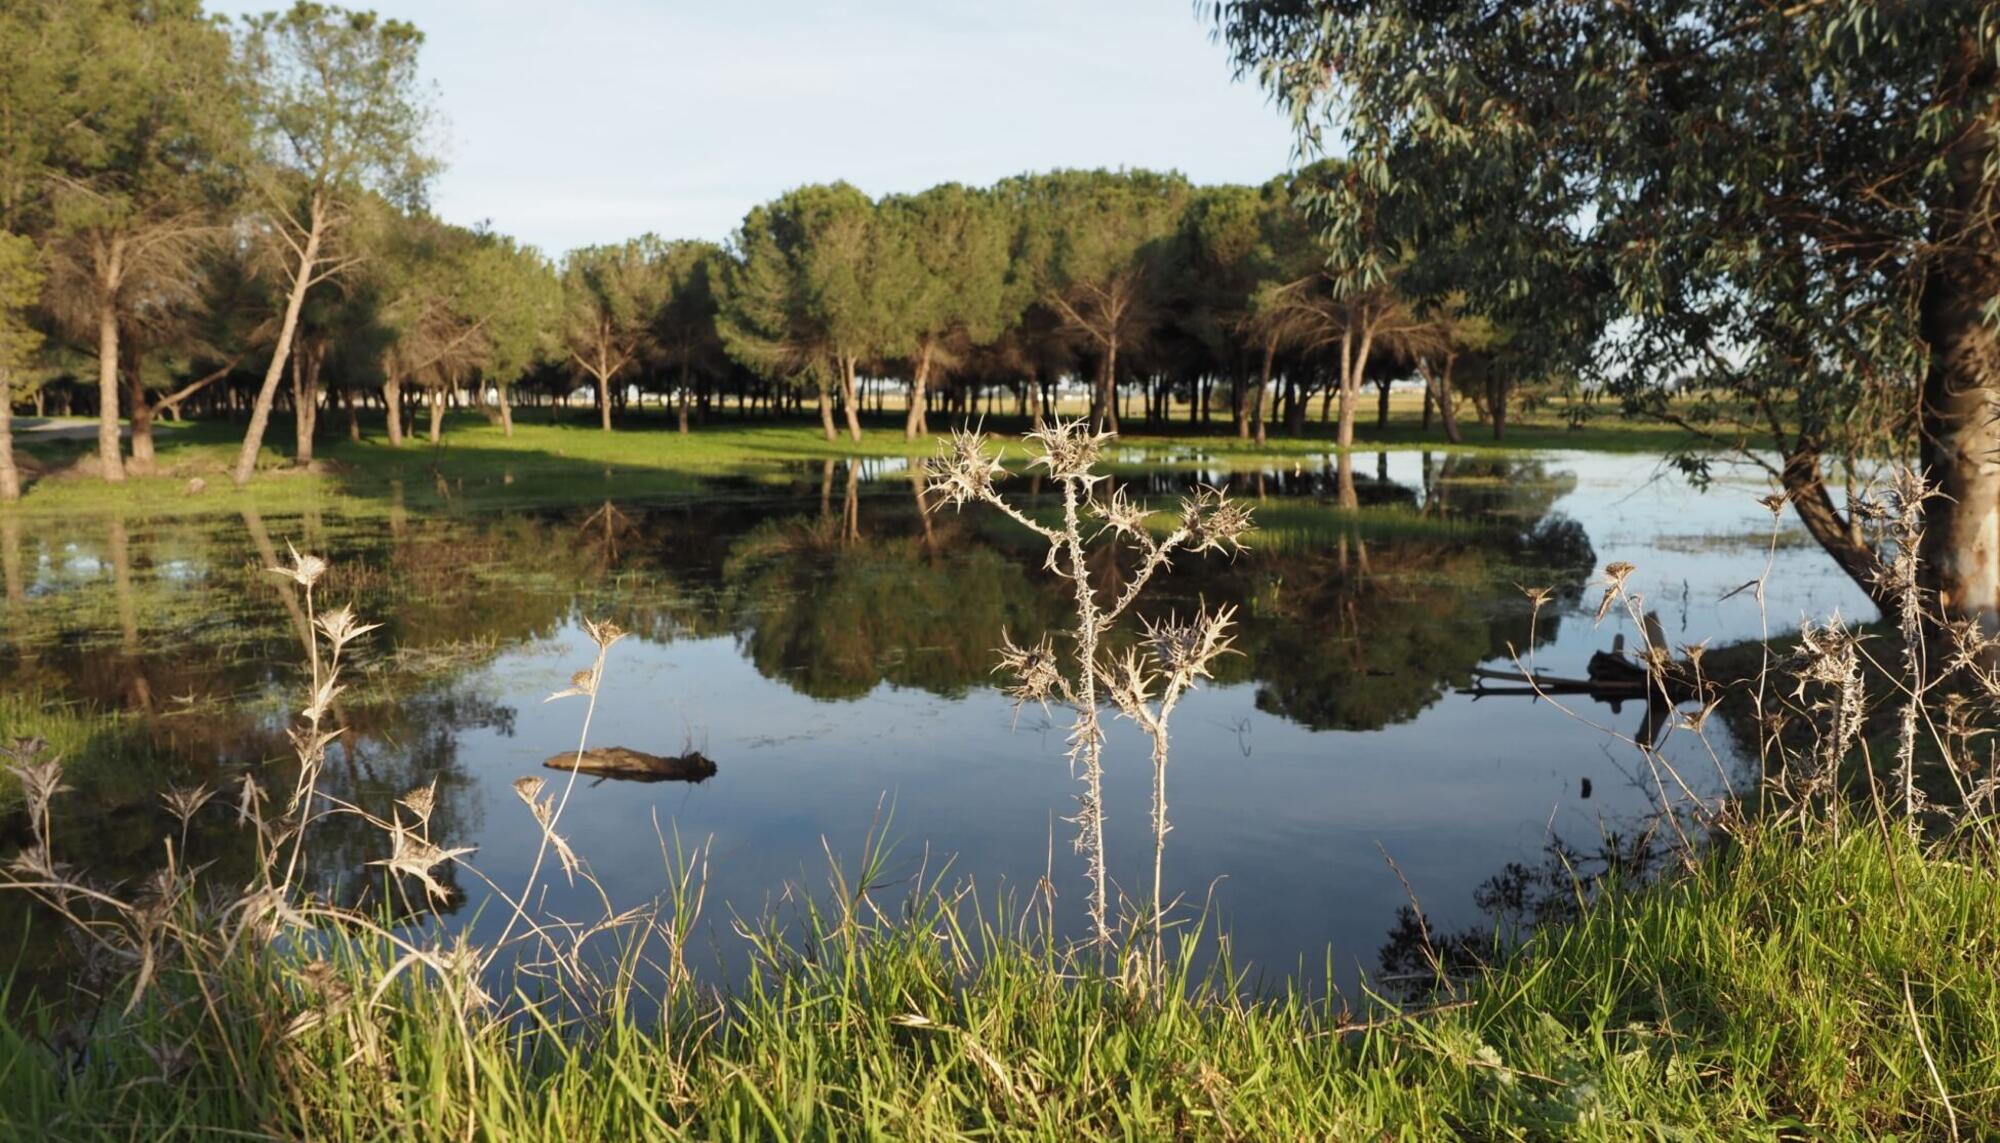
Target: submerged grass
(1791,984)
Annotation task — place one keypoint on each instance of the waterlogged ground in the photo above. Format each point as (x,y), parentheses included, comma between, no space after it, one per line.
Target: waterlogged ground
(830,646)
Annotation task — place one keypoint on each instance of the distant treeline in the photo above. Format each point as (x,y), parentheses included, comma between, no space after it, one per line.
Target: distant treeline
(200,218)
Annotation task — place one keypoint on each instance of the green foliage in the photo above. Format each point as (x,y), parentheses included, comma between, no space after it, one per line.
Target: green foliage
(338,101)
(20,285)
(1788,985)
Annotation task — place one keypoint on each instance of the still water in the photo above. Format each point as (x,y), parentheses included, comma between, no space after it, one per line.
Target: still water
(830,647)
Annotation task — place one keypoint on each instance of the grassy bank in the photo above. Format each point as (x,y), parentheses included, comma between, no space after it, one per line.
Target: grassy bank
(570,461)
(1794,985)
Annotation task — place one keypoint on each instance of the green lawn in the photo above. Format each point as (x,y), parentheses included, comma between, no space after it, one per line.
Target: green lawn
(574,461)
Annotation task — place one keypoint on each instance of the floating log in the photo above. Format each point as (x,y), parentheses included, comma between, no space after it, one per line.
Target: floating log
(635,765)
(1611,677)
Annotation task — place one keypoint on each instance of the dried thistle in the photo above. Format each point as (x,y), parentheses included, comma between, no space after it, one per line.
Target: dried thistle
(421,802)
(583,682)
(185,802)
(603,632)
(305,570)
(340,627)
(416,857)
(1036,676)
(963,472)
(1068,449)
(528,789)
(1213,521)
(1615,575)
(1121,514)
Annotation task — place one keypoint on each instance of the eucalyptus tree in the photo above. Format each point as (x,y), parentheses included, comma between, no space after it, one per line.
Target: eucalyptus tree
(802,301)
(20,285)
(610,296)
(139,115)
(685,338)
(1089,240)
(1789,207)
(340,115)
(944,259)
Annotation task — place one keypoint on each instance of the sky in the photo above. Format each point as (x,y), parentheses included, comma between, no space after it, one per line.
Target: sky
(588,121)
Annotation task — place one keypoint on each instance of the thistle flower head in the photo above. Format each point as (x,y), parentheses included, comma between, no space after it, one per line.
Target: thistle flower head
(422,801)
(963,470)
(583,682)
(1213,521)
(1036,678)
(416,857)
(528,789)
(40,780)
(1068,449)
(305,570)
(340,627)
(1615,575)
(185,802)
(603,632)
(1185,649)
(1121,514)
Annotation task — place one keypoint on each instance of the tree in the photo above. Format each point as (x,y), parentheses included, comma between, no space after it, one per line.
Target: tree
(944,259)
(20,283)
(134,164)
(339,113)
(610,296)
(1088,238)
(684,333)
(1790,208)
(802,300)
(513,298)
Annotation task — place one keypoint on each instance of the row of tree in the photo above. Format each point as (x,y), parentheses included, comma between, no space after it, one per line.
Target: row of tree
(230,220)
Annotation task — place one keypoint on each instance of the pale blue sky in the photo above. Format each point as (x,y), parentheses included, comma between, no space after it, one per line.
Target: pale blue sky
(594,120)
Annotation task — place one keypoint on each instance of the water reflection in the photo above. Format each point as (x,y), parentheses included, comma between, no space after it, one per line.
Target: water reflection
(834,640)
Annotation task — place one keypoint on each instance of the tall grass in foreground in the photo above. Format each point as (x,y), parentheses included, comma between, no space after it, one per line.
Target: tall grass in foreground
(1791,984)
(1825,970)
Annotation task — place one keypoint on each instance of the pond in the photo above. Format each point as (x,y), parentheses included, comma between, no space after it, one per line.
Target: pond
(830,647)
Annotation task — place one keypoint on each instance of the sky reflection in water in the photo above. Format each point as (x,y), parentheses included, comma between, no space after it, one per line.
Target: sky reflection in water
(830,649)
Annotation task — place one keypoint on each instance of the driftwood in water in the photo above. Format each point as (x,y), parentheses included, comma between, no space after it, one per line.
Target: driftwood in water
(635,765)
(1611,677)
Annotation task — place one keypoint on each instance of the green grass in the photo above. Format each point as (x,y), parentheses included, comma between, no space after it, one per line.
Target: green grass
(572,461)
(1790,987)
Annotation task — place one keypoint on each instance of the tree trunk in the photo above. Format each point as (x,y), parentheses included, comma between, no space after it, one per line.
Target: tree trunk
(604,399)
(10,473)
(1107,386)
(1263,390)
(686,385)
(502,394)
(916,423)
(437,415)
(1448,402)
(267,394)
(847,399)
(305,401)
(1382,407)
(1497,387)
(392,404)
(1960,438)
(142,418)
(353,418)
(826,414)
(108,455)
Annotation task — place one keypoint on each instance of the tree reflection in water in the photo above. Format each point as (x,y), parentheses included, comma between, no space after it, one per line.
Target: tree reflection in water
(176,655)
